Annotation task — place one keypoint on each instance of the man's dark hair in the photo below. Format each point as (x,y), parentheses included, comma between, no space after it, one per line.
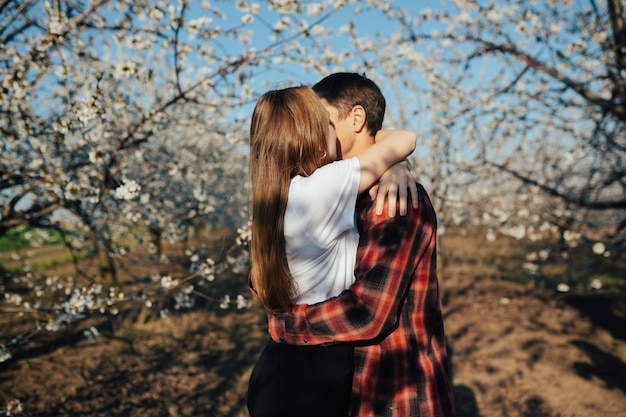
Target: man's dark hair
(344,90)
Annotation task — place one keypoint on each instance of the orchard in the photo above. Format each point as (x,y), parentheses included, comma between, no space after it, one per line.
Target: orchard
(124,126)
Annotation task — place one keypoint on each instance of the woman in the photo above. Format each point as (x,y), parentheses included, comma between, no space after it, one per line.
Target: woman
(304,241)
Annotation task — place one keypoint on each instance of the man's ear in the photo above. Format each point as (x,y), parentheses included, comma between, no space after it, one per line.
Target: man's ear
(359,118)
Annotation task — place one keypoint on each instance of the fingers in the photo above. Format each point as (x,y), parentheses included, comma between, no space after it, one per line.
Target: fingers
(380,201)
(373,191)
(391,194)
(392,197)
(403,201)
(413,192)
(397,189)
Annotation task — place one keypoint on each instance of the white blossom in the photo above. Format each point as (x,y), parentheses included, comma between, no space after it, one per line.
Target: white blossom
(56,24)
(168,282)
(242,302)
(14,406)
(96,156)
(125,69)
(530,268)
(598,248)
(244,234)
(572,237)
(73,191)
(282,25)
(138,42)
(225,302)
(156,14)
(197,24)
(208,269)
(562,287)
(87,110)
(314,9)
(5,354)
(128,190)
(91,334)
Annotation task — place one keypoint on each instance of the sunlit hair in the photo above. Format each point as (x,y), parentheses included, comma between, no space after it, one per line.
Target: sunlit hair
(288,137)
(344,90)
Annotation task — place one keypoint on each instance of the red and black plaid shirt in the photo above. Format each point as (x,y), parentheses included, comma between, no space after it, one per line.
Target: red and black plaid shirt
(393,315)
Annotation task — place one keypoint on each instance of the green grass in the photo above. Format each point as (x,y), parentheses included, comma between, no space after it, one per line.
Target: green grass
(51,262)
(38,258)
(13,242)
(22,237)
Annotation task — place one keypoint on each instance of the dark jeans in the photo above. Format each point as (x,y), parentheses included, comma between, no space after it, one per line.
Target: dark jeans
(301,381)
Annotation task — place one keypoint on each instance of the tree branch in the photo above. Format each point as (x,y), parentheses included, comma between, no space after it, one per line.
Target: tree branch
(581,202)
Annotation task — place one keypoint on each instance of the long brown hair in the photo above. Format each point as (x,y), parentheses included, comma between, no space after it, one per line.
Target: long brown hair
(288,137)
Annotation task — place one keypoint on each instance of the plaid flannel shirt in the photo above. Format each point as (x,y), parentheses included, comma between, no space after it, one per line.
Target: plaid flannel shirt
(392,314)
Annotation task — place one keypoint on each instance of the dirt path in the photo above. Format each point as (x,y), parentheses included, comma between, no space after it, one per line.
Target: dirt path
(516,351)
(523,352)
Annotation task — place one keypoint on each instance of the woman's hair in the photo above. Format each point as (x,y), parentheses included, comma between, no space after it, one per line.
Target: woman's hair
(288,137)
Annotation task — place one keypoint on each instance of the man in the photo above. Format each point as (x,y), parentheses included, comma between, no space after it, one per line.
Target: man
(392,313)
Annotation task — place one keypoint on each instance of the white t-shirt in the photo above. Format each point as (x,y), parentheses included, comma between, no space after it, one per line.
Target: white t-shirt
(321,237)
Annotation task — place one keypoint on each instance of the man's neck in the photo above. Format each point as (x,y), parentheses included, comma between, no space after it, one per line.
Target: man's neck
(360,144)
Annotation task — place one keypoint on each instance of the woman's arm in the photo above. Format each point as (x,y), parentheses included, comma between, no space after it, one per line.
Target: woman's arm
(391,147)
(396,258)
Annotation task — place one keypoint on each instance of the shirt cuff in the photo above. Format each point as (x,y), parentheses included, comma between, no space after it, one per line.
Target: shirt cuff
(293,328)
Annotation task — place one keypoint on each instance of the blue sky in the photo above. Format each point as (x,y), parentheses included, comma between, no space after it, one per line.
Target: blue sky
(366,23)
(271,76)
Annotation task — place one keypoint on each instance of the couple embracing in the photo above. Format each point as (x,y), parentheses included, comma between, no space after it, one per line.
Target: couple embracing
(350,286)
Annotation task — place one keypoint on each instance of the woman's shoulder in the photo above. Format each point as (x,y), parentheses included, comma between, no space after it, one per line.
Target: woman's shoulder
(341,165)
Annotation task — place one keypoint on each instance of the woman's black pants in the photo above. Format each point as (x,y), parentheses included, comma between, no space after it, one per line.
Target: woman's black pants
(301,381)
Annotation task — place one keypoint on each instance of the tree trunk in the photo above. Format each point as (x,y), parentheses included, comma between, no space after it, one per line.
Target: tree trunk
(106,265)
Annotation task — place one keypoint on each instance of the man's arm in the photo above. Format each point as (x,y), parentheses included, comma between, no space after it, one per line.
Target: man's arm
(389,252)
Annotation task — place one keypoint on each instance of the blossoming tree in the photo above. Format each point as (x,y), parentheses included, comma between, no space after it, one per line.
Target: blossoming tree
(132,115)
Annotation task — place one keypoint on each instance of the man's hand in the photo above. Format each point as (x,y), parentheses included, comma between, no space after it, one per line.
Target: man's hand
(393,184)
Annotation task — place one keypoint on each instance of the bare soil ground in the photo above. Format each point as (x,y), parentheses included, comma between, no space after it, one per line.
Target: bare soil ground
(516,350)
